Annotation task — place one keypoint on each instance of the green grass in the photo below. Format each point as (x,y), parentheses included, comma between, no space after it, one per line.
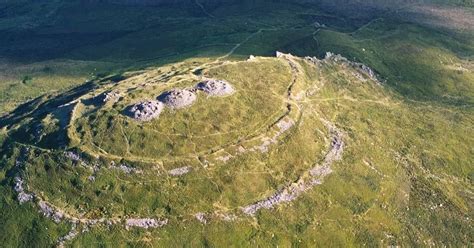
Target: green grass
(403,169)
(23,225)
(66,48)
(419,63)
(406,174)
(210,122)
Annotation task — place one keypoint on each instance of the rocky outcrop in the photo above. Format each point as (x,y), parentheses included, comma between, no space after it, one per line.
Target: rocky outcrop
(361,68)
(50,212)
(22,195)
(72,156)
(109,96)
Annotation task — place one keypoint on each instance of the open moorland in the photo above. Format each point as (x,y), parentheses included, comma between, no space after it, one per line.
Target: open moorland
(244,125)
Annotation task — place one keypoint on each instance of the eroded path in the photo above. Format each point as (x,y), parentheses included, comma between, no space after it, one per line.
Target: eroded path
(204,10)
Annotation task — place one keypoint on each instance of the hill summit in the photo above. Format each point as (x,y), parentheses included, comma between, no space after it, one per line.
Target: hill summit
(224,145)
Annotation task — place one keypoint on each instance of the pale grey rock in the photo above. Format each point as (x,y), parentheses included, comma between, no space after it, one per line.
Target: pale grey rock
(180,171)
(69,236)
(178,98)
(145,111)
(110,96)
(214,87)
(126,169)
(22,195)
(50,212)
(201,217)
(317,173)
(145,223)
(73,156)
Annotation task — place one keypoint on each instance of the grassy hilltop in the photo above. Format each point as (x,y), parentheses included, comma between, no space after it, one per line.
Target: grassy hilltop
(310,149)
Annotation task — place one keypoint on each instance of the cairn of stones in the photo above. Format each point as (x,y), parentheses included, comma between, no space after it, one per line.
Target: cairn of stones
(178,99)
(214,87)
(146,111)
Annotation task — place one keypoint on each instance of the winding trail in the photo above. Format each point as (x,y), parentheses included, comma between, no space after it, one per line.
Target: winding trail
(313,177)
(244,41)
(203,9)
(386,13)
